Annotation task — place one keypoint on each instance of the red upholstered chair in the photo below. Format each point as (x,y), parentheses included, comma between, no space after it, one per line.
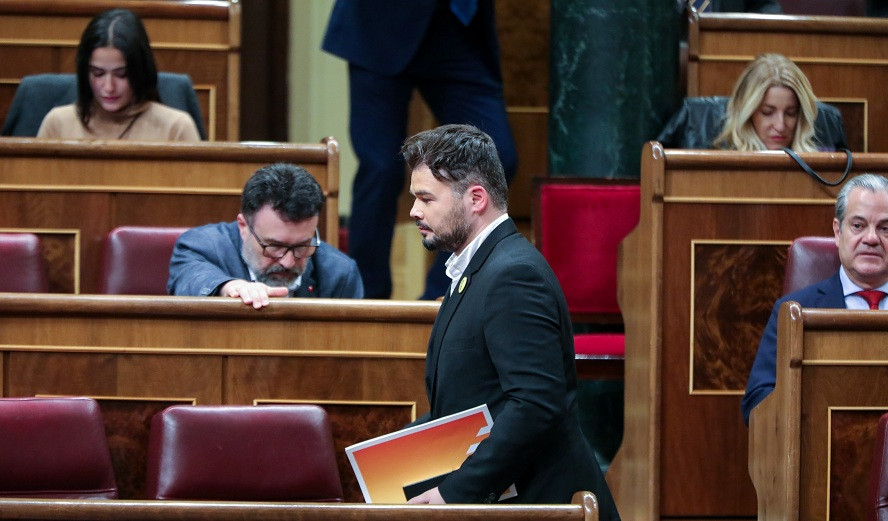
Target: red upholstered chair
(242,453)
(22,269)
(54,448)
(877,498)
(136,260)
(810,260)
(578,226)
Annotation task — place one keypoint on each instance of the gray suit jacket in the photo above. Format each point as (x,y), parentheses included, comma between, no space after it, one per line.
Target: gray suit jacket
(504,338)
(207,257)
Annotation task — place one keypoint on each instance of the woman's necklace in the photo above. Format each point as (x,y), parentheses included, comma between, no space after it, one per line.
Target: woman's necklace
(129,126)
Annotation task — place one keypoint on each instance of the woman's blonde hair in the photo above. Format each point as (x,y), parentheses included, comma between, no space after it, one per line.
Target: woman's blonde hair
(766,71)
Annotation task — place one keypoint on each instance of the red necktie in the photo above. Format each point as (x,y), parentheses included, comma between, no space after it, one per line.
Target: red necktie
(872,297)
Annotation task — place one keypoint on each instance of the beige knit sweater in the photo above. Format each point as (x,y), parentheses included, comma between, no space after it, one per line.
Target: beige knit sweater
(149,121)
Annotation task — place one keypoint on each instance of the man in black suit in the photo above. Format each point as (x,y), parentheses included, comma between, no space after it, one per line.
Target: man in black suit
(738,6)
(861,230)
(448,51)
(502,336)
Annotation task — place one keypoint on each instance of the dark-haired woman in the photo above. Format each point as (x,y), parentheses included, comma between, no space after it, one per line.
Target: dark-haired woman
(117,88)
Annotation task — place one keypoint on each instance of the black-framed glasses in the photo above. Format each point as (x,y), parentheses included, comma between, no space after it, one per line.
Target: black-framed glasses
(278,251)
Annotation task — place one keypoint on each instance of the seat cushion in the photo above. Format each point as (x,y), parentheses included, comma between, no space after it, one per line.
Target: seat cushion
(23,269)
(244,453)
(808,261)
(54,448)
(602,344)
(136,260)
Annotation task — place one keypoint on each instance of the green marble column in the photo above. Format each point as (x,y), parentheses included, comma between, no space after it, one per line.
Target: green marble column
(613,82)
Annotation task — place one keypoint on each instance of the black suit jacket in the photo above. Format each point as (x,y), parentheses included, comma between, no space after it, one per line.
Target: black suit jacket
(504,338)
(745,6)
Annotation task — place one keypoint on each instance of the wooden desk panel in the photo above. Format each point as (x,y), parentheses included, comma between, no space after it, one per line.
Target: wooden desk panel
(697,281)
(72,193)
(363,360)
(846,60)
(811,440)
(198,39)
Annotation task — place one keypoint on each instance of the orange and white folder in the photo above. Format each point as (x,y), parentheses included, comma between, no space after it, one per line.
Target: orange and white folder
(418,458)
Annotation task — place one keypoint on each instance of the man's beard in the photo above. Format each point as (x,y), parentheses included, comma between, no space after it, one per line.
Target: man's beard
(454,231)
(274,275)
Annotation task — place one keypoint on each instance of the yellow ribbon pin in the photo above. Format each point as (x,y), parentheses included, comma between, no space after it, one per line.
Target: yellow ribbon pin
(462,284)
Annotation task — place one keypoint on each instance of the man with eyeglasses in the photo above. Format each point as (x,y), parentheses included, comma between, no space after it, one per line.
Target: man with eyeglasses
(272,249)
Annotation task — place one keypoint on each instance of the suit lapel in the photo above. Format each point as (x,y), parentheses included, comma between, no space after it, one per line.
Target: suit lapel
(451,301)
(309,286)
(830,293)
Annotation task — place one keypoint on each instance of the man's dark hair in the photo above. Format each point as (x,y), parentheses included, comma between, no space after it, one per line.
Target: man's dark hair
(121,29)
(462,156)
(290,190)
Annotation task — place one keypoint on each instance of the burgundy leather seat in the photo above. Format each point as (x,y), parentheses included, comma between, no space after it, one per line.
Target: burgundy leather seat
(877,500)
(810,260)
(54,448)
(136,260)
(242,453)
(22,269)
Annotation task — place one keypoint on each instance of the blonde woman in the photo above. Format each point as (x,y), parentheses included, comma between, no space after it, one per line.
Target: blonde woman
(772,107)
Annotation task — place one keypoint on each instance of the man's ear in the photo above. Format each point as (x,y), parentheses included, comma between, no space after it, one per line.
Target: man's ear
(836,228)
(241,221)
(479,198)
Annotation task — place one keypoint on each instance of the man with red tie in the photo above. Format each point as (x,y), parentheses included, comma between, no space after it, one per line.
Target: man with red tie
(861,230)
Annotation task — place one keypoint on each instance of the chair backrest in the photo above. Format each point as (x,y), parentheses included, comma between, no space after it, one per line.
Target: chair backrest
(699,121)
(37,94)
(54,448)
(810,260)
(242,453)
(23,269)
(136,260)
(877,498)
(578,226)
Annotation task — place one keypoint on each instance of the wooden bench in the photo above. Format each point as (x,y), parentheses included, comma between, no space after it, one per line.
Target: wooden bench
(72,193)
(201,39)
(811,439)
(584,507)
(698,278)
(362,360)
